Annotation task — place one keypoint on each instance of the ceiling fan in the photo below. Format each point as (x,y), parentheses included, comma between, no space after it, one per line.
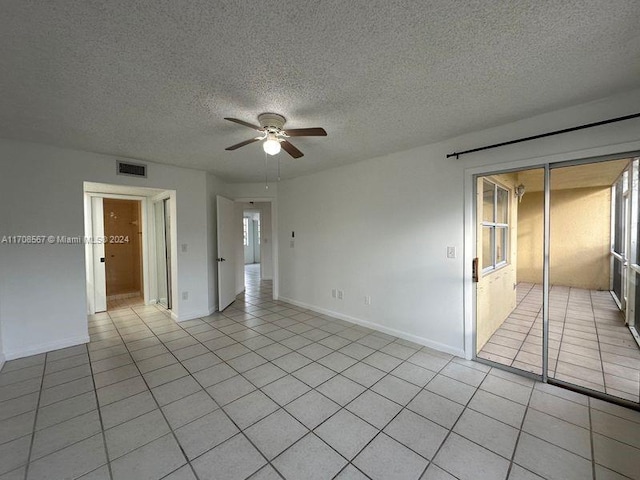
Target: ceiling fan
(271,129)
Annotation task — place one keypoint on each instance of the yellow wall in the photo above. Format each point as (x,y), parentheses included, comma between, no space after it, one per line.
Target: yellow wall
(496,294)
(580,237)
(123,260)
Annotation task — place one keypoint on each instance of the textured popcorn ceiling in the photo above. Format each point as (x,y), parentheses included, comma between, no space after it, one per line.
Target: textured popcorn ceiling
(153,79)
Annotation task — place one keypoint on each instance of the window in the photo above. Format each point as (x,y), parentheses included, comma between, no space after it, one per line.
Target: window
(495,225)
(245,231)
(258,229)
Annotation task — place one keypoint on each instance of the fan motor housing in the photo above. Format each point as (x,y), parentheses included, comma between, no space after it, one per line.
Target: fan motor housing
(271,121)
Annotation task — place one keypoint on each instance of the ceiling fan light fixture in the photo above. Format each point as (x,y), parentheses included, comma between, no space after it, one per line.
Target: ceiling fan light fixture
(273,136)
(271,145)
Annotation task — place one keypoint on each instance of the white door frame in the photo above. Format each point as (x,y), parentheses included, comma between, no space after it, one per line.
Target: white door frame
(153,278)
(97,279)
(274,237)
(145,237)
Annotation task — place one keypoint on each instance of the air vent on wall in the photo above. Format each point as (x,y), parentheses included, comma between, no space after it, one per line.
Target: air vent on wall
(132,169)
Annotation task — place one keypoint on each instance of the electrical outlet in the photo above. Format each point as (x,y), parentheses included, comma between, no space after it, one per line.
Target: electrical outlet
(334,293)
(340,295)
(367,300)
(451,252)
(185,295)
(183,247)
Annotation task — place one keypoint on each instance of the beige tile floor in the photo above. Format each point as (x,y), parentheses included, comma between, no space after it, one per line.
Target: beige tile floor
(116,303)
(267,390)
(589,344)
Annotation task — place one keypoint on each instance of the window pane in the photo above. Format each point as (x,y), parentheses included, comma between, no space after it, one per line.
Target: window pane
(245,231)
(501,244)
(487,201)
(502,206)
(487,247)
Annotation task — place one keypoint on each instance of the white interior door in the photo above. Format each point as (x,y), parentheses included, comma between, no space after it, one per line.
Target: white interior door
(226,252)
(99,271)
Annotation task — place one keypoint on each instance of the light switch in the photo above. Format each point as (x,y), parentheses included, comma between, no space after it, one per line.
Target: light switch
(183,248)
(451,252)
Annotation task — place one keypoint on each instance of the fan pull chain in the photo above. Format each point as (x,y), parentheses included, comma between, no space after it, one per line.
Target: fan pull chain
(266,180)
(278,167)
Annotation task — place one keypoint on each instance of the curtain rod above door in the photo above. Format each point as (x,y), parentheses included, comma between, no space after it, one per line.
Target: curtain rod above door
(542,135)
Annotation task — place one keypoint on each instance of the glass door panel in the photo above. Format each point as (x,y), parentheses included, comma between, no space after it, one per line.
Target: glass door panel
(592,282)
(510,213)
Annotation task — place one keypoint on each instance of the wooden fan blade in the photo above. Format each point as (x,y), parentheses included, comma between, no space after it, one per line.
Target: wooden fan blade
(290,149)
(242,144)
(246,124)
(306,132)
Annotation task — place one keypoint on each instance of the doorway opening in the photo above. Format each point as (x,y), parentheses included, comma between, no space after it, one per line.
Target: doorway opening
(130,255)
(234,235)
(255,248)
(557,271)
(251,242)
(122,221)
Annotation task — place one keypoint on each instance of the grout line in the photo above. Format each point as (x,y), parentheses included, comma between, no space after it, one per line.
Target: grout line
(604,378)
(163,416)
(591,444)
(515,447)
(104,437)
(35,420)
(338,373)
(204,389)
(564,325)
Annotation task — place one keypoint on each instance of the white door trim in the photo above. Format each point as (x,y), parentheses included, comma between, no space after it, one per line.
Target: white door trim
(145,249)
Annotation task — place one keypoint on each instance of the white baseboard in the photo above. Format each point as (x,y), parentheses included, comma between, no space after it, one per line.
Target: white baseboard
(46,347)
(183,317)
(380,328)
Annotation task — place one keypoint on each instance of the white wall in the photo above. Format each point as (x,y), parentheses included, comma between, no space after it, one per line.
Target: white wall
(266,241)
(381,227)
(43,296)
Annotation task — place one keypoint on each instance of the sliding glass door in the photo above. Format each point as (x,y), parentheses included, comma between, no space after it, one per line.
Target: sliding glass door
(558,275)
(509,269)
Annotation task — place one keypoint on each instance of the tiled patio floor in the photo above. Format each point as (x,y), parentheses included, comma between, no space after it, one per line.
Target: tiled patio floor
(589,344)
